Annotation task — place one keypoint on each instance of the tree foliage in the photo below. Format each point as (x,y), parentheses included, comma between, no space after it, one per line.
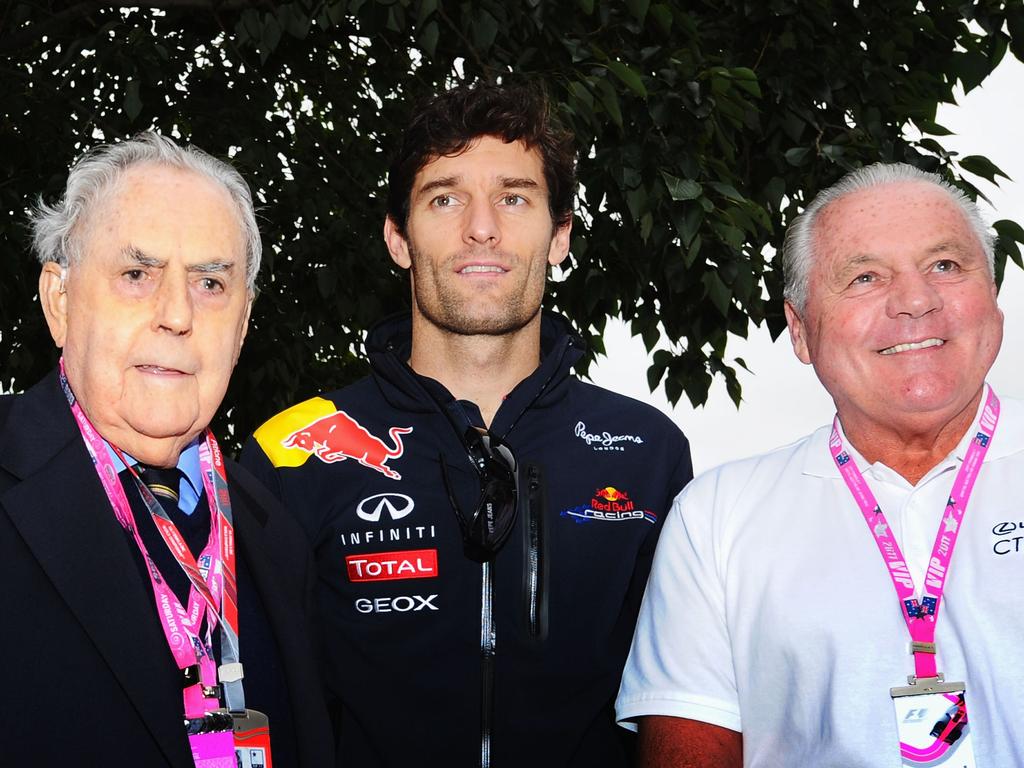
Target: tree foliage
(703,128)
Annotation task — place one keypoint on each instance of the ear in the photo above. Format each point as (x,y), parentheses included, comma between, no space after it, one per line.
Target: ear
(797,333)
(398,247)
(245,328)
(559,247)
(54,299)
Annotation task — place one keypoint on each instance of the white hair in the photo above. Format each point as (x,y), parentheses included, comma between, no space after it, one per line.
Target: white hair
(57,229)
(798,250)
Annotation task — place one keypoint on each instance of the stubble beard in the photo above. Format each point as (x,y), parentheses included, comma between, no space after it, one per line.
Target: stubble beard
(443,307)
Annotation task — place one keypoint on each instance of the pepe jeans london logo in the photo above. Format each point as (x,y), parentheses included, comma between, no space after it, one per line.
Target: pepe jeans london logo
(605,441)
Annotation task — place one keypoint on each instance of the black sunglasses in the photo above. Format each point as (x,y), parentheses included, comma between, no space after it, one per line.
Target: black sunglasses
(484,533)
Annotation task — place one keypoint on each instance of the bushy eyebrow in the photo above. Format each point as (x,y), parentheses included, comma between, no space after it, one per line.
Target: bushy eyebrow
(506,182)
(518,183)
(137,255)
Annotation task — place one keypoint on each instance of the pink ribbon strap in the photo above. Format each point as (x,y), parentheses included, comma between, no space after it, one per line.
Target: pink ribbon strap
(921,616)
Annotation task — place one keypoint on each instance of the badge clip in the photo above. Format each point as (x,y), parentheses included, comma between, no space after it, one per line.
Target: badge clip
(924,685)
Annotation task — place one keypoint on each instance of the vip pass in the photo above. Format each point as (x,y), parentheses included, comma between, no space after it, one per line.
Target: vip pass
(931,714)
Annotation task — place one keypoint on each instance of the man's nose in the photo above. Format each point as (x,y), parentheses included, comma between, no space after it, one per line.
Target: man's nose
(173,303)
(913,295)
(481,225)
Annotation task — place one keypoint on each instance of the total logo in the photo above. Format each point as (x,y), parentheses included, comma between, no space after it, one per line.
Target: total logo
(609,505)
(397,604)
(392,566)
(396,505)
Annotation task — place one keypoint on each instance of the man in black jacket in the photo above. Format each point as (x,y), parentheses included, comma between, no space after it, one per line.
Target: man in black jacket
(147,582)
(483,522)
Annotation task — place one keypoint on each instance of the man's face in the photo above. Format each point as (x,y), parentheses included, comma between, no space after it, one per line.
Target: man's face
(155,310)
(901,323)
(479,239)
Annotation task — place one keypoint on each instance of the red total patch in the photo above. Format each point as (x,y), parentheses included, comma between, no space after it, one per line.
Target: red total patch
(392,566)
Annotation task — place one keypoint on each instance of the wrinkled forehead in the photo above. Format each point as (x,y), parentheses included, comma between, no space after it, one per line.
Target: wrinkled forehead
(151,196)
(902,217)
(485,155)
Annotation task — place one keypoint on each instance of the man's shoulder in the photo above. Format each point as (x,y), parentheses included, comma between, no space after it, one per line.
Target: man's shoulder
(599,400)
(274,434)
(765,474)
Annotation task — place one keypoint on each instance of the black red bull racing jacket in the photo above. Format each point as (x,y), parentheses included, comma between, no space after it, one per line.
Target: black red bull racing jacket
(433,659)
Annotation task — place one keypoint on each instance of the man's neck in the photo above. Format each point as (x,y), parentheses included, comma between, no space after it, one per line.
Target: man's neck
(480,368)
(913,446)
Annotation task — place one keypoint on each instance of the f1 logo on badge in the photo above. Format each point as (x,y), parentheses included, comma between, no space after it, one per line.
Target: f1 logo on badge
(397,505)
(916,715)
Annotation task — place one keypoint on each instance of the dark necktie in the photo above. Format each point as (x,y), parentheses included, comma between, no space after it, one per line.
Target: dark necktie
(163,483)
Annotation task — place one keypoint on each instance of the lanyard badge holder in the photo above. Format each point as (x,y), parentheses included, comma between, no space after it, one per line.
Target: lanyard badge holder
(230,737)
(931,714)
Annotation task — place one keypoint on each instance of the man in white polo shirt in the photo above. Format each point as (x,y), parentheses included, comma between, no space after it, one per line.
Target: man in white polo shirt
(854,599)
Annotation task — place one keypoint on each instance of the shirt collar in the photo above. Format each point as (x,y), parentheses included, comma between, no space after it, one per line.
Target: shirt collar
(1008,439)
(188,464)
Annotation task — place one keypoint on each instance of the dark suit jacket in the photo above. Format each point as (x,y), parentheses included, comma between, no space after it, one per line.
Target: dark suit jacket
(86,678)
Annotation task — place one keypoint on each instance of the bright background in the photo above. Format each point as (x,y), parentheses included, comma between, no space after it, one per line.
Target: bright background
(782,399)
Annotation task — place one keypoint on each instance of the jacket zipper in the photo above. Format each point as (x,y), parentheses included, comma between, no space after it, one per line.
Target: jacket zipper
(487,646)
(535,582)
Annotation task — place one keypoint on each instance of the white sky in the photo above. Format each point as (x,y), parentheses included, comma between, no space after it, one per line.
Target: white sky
(782,399)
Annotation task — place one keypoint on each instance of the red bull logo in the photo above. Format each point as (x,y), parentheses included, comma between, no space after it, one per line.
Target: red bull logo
(609,504)
(611,494)
(338,436)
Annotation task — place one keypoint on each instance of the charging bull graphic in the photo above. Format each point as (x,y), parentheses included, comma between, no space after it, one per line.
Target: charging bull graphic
(338,436)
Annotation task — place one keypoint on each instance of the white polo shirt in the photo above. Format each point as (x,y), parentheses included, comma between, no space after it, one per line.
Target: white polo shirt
(770,611)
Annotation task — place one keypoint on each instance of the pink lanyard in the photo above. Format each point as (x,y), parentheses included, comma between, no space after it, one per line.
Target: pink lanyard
(213,590)
(921,617)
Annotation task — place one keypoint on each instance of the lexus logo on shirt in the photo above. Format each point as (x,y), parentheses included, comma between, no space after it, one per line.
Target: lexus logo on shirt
(397,505)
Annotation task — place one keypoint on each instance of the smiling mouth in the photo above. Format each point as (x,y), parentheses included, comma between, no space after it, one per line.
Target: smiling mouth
(159,369)
(474,269)
(911,346)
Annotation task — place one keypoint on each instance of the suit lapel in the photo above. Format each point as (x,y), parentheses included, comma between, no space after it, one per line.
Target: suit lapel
(63,514)
(286,618)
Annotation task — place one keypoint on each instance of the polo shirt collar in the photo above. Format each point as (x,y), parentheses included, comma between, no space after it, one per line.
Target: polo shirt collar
(1009,439)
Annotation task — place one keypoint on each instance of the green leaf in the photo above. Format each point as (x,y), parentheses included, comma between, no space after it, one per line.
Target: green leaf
(681,189)
(587,6)
(428,38)
(427,7)
(727,190)
(1009,230)
(797,155)
(610,101)
(629,77)
(485,29)
(639,9)
(982,166)
(132,100)
(717,291)
(746,79)
(662,14)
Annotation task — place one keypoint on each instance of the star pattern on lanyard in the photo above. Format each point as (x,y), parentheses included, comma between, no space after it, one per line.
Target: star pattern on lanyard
(950,523)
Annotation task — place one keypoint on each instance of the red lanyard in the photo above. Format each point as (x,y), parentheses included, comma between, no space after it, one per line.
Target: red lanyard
(213,592)
(921,616)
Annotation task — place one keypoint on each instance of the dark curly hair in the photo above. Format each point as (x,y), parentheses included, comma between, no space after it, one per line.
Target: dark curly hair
(446,123)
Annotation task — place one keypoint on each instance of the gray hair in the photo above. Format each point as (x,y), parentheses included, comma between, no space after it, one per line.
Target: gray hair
(57,229)
(798,250)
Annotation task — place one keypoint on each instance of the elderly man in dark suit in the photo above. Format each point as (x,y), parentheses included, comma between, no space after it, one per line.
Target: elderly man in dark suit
(153,594)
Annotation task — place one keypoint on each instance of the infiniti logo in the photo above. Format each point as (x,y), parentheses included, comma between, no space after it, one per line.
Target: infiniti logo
(397,505)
